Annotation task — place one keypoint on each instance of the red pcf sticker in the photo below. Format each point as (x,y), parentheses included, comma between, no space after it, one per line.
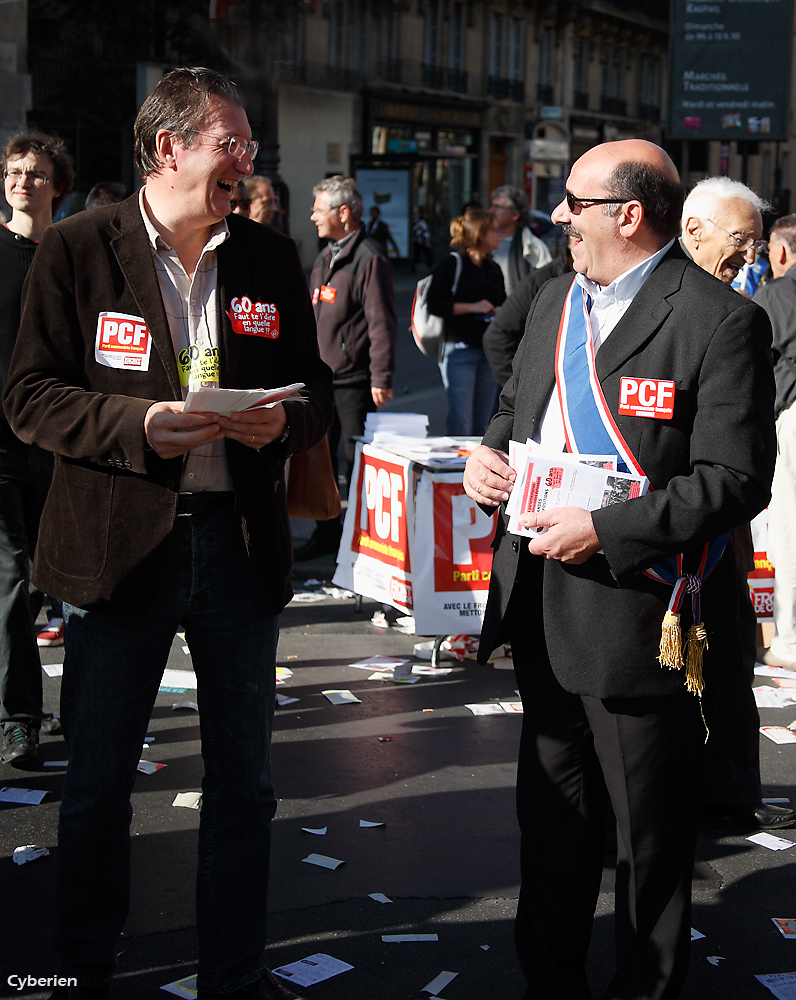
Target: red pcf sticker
(647,397)
(122,341)
(328,294)
(316,294)
(254,319)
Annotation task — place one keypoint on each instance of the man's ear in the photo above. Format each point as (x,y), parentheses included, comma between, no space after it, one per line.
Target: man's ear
(629,218)
(165,143)
(693,227)
(777,252)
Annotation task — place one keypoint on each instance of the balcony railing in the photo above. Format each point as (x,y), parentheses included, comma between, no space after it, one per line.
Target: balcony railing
(544,93)
(649,112)
(613,105)
(505,89)
(580,100)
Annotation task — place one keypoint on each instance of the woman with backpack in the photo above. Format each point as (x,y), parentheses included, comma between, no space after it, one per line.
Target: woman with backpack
(467,305)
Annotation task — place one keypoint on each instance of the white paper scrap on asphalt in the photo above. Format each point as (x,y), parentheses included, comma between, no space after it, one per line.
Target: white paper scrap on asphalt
(319,831)
(771,842)
(715,959)
(401,938)
(185,988)
(763,671)
(696,935)
(487,708)
(768,697)
(781,984)
(785,925)
(188,800)
(341,697)
(312,970)
(379,663)
(366,824)
(183,680)
(149,766)
(191,706)
(779,734)
(283,699)
(379,897)
(438,985)
(30,852)
(53,669)
(323,862)
(22,796)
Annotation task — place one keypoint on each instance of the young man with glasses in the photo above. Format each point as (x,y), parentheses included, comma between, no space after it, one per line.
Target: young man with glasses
(605,720)
(37,174)
(160,519)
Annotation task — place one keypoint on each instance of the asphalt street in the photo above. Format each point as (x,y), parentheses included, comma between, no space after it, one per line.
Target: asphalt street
(413,758)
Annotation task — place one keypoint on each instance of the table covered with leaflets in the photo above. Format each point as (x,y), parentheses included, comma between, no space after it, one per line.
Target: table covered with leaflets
(412,538)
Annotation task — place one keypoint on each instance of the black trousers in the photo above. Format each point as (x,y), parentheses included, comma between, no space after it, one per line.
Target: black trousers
(577,753)
(25,475)
(351,405)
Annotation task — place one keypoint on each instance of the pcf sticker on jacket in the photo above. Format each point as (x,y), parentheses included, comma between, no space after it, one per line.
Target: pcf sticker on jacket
(254,319)
(647,397)
(123,341)
(328,294)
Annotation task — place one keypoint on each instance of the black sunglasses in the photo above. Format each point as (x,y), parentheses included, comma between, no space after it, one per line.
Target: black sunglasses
(572,201)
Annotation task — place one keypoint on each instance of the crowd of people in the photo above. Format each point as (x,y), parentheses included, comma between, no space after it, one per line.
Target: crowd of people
(141,518)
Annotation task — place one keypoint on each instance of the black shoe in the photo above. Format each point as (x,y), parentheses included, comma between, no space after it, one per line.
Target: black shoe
(20,744)
(762,817)
(50,725)
(267,987)
(80,991)
(322,542)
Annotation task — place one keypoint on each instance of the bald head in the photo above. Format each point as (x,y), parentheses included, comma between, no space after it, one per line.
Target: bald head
(639,151)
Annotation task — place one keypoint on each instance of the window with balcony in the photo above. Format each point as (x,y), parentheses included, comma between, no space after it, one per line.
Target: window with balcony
(506,57)
(547,43)
(389,63)
(612,89)
(433,75)
(580,90)
(457,77)
(649,103)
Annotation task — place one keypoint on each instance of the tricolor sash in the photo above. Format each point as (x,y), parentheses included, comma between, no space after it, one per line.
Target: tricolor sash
(589,428)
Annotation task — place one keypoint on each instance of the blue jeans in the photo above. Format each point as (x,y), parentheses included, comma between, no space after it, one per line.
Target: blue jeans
(112,669)
(472,389)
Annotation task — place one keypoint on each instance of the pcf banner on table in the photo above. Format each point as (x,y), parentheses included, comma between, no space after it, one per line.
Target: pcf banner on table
(453,557)
(375,550)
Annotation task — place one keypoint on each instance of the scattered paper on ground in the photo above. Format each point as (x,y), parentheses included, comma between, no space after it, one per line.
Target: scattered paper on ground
(484,947)
(185,988)
(763,671)
(319,831)
(379,897)
(496,708)
(785,925)
(503,663)
(322,861)
(771,842)
(55,763)
(438,985)
(283,699)
(282,673)
(307,597)
(778,734)
(339,594)
(341,696)
(312,970)
(149,766)
(715,959)
(424,671)
(781,984)
(53,669)
(188,800)
(400,938)
(379,619)
(22,796)
(178,680)
(696,935)
(777,802)
(768,697)
(379,663)
(22,855)
(190,705)
(400,675)
(366,823)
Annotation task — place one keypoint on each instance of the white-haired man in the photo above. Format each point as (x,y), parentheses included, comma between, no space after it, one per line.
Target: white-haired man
(722,224)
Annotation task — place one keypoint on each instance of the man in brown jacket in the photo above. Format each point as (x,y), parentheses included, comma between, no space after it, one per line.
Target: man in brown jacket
(159,519)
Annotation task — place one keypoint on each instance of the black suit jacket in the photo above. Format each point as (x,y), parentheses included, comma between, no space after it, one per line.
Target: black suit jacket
(710,468)
(113,500)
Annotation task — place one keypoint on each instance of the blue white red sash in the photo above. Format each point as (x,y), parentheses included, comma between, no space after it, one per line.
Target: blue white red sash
(589,428)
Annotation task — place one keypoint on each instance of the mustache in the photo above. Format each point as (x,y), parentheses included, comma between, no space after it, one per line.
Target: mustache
(570,230)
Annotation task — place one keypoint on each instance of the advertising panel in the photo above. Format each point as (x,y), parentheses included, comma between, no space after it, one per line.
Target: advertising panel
(388,190)
(761,582)
(729,69)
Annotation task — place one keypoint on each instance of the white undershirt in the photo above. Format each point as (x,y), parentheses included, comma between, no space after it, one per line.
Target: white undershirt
(609,305)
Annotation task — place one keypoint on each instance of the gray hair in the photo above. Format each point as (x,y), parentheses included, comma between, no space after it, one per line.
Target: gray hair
(341,191)
(706,196)
(515,200)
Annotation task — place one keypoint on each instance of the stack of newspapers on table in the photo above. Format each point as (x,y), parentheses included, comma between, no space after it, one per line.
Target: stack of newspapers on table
(546,480)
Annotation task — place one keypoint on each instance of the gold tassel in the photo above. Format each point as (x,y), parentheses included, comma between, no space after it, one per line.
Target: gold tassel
(696,644)
(671,650)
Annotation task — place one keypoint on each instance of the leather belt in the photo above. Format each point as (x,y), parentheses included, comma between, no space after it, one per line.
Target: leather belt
(205,503)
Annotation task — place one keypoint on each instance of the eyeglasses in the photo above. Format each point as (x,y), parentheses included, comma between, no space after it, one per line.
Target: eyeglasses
(572,201)
(242,202)
(743,243)
(15,174)
(325,211)
(235,145)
